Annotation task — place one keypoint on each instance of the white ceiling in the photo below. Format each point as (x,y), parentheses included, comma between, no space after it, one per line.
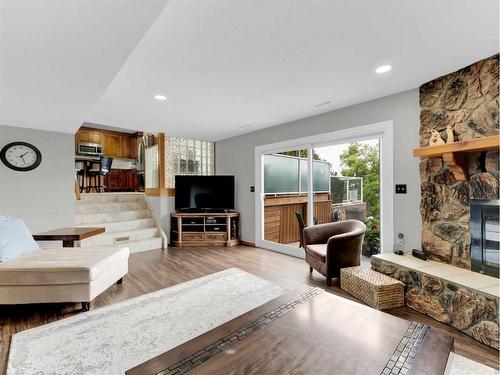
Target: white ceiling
(225,63)
(57,57)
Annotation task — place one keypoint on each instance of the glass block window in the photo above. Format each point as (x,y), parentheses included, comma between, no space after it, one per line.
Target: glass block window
(186,156)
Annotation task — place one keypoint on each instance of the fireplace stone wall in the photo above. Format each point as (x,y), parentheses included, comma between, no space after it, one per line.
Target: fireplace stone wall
(467,100)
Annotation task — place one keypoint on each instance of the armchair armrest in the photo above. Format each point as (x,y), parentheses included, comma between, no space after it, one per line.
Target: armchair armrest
(321,233)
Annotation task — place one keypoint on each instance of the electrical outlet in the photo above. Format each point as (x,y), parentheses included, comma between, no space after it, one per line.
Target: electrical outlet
(400,188)
(252,189)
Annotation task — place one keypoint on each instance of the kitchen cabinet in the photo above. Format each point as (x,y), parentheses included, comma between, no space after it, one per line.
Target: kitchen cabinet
(125,146)
(96,137)
(133,147)
(112,145)
(131,179)
(115,145)
(123,179)
(88,136)
(114,178)
(83,136)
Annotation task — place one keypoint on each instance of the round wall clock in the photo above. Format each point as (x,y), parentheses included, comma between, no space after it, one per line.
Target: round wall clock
(21,156)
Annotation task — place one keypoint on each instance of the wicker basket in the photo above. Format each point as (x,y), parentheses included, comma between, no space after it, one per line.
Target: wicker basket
(373,288)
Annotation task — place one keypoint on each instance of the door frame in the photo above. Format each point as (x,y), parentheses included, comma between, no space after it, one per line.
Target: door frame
(381,130)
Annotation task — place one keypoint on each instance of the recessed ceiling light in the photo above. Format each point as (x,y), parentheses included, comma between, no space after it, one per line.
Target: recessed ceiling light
(160,97)
(245,126)
(322,104)
(383,68)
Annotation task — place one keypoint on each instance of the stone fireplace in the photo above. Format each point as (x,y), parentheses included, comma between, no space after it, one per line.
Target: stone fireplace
(452,293)
(468,101)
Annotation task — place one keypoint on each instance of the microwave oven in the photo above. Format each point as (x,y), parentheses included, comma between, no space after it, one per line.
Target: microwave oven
(89,149)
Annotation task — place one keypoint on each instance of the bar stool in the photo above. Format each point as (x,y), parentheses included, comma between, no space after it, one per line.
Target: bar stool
(81,183)
(95,174)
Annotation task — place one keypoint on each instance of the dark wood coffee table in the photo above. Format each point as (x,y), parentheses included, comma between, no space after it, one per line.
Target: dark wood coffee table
(309,333)
(68,236)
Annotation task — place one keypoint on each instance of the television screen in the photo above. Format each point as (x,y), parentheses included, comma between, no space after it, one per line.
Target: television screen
(204,193)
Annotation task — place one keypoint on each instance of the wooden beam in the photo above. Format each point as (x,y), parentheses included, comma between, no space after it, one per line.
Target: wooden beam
(77,188)
(161,160)
(474,145)
(455,155)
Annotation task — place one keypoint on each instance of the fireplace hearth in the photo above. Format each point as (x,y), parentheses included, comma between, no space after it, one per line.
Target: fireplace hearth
(485,236)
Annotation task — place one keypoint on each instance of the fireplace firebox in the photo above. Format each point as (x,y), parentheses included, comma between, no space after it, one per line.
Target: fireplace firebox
(485,236)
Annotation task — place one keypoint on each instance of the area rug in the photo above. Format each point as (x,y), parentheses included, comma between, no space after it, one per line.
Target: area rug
(112,339)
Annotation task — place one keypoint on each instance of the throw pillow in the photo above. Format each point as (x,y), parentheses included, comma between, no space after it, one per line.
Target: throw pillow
(15,239)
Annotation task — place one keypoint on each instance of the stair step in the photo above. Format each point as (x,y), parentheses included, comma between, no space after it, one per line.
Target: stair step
(107,217)
(141,245)
(95,198)
(110,207)
(113,238)
(124,225)
(126,218)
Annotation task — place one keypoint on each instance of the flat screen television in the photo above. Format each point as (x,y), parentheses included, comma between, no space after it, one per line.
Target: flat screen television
(204,193)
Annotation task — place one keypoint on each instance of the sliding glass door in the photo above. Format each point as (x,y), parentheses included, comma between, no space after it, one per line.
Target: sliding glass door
(336,176)
(285,197)
(354,175)
(293,198)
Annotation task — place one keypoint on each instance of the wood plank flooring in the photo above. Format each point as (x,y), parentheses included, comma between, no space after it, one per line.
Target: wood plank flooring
(156,269)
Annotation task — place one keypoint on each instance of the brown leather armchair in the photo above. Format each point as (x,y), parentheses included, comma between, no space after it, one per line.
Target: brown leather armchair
(332,246)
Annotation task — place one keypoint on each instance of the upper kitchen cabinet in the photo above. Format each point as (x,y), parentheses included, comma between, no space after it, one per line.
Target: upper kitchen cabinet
(96,137)
(125,149)
(133,147)
(89,136)
(114,144)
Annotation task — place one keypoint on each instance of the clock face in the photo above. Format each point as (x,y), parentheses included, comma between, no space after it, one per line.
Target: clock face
(21,156)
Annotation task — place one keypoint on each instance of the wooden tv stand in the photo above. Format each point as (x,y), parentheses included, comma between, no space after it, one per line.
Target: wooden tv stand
(205,229)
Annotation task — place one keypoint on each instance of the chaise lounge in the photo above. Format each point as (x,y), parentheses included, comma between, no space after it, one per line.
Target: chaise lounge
(62,275)
(56,275)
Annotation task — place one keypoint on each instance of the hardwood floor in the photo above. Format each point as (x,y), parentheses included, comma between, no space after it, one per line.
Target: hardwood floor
(156,269)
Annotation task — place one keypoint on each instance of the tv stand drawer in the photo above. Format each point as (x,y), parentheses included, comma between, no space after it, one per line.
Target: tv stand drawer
(193,236)
(215,236)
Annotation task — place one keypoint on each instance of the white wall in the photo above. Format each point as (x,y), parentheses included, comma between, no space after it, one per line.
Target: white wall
(44,198)
(236,155)
(161,208)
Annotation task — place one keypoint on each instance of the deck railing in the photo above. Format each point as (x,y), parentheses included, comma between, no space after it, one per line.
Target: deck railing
(285,175)
(347,190)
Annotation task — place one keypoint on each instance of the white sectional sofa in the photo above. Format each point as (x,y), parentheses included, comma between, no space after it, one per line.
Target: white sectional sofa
(62,275)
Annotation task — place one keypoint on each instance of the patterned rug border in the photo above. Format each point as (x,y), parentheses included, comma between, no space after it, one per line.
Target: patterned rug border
(193,360)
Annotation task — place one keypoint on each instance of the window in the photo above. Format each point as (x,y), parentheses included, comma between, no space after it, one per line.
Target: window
(186,156)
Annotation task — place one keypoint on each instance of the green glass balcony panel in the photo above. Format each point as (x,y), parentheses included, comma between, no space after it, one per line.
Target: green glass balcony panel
(303,175)
(321,176)
(281,174)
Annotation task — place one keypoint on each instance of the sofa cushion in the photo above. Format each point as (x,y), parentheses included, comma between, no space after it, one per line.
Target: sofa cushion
(317,251)
(61,266)
(15,239)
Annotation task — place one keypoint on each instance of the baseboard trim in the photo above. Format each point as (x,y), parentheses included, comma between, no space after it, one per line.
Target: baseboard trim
(247,243)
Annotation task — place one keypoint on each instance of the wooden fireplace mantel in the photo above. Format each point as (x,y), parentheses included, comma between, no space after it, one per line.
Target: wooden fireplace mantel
(455,155)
